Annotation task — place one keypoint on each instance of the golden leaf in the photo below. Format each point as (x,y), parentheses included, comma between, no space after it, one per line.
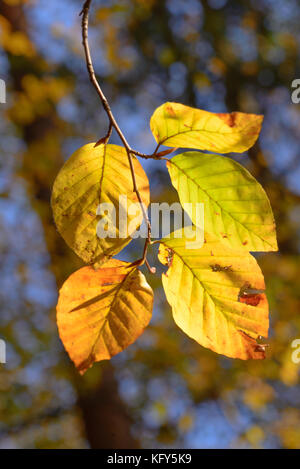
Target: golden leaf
(177,125)
(216,295)
(92,176)
(101,312)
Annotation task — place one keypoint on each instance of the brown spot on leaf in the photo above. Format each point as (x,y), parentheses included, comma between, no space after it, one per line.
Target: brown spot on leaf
(219,268)
(170,257)
(245,242)
(170,110)
(251,299)
(255,351)
(261,347)
(229,119)
(249,295)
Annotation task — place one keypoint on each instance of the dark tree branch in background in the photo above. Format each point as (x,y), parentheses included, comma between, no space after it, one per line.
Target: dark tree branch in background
(113,124)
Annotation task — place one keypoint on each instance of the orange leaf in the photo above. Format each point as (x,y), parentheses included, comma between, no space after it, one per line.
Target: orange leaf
(101,312)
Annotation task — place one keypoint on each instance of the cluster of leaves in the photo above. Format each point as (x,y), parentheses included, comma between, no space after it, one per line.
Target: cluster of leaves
(217,291)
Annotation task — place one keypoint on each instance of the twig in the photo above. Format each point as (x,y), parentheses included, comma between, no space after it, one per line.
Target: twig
(152,270)
(156,149)
(106,137)
(112,120)
(153,156)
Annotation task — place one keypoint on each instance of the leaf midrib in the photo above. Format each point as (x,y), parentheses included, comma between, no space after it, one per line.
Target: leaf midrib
(121,284)
(233,132)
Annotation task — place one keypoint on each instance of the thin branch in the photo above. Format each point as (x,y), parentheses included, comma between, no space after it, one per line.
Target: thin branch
(106,137)
(156,149)
(152,270)
(90,67)
(112,120)
(153,156)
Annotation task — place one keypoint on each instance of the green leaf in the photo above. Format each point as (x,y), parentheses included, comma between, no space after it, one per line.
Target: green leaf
(176,125)
(216,295)
(236,207)
(91,176)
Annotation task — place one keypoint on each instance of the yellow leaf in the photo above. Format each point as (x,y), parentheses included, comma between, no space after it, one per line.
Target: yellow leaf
(176,125)
(101,312)
(93,176)
(236,207)
(216,296)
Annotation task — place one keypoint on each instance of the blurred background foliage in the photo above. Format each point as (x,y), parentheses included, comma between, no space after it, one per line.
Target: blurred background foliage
(165,390)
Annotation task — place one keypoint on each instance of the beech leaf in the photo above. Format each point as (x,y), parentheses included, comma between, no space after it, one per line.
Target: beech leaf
(216,295)
(236,207)
(177,125)
(101,312)
(94,175)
